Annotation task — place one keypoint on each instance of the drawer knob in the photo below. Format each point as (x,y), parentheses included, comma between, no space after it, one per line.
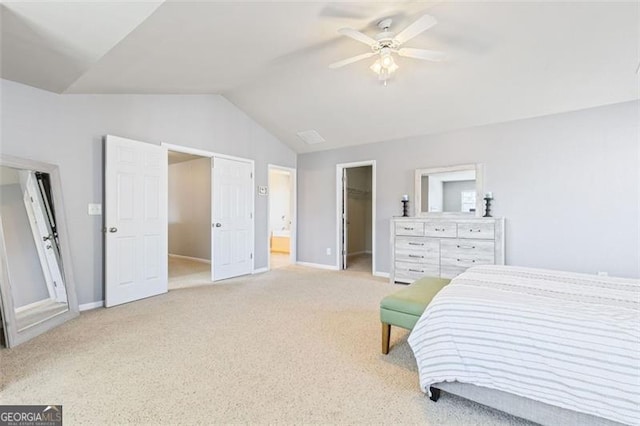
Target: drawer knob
(439,229)
(416,270)
(415,255)
(466,247)
(416,244)
(474,230)
(468,260)
(408,229)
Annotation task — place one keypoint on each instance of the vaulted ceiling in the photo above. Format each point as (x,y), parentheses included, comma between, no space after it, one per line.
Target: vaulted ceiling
(507,60)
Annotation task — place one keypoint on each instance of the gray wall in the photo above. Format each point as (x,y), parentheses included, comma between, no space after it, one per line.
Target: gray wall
(567,184)
(67,130)
(190,208)
(27,279)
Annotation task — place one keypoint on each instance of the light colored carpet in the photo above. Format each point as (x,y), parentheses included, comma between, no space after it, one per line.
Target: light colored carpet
(359,263)
(295,345)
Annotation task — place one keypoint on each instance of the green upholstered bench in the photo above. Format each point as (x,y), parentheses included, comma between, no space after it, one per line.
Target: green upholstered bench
(404,308)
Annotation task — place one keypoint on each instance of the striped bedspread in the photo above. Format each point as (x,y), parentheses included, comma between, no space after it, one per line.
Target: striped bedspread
(565,339)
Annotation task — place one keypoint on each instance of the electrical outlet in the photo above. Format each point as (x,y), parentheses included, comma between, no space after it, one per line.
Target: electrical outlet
(328,251)
(94,209)
(603,274)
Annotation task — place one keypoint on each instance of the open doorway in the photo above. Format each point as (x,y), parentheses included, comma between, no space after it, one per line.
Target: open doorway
(282,196)
(356,216)
(189,219)
(218,217)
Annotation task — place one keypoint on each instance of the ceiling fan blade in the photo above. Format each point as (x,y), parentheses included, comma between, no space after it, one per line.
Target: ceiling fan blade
(422,24)
(428,55)
(351,60)
(357,35)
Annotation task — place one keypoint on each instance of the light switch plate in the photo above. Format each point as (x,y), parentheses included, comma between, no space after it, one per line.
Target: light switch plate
(94,209)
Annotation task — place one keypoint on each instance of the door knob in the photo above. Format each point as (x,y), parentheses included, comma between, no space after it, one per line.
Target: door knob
(114,229)
(217,225)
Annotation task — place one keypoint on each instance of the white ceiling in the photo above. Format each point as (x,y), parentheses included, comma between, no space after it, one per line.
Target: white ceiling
(508,60)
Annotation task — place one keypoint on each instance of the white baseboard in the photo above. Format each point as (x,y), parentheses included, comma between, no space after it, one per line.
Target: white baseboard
(92,305)
(318,265)
(356,253)
(195,259)
(260,270)
(32,305)
(381,274)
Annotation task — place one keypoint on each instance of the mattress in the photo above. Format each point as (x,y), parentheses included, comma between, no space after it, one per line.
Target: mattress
(564,339)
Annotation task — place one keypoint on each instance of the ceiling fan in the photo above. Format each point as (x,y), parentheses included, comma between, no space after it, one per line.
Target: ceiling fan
(386,43)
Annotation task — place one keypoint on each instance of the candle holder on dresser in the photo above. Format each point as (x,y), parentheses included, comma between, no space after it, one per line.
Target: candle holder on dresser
(405,206)
(488,198)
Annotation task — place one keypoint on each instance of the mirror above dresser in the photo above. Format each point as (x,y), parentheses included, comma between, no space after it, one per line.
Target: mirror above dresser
(451,190)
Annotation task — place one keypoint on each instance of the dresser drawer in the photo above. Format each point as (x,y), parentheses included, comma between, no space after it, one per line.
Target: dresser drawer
(476,230)
(410,228)
(417,243)
(417,249)
(451,271)
(440,229)
(466,253)
(418,256)
(465,261)
(409,272)
(468,248)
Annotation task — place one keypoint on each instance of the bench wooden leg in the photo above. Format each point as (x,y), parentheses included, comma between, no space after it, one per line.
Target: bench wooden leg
(386,334)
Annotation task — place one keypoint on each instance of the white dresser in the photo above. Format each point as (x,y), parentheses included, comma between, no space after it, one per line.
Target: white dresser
(443,247)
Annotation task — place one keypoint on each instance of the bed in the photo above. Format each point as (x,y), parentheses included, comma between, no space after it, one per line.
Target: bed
(552,347)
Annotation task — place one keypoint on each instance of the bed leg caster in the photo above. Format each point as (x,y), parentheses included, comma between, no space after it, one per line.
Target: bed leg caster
(435,394)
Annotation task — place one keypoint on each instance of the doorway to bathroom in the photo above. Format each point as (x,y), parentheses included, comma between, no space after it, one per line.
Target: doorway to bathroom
(281,192)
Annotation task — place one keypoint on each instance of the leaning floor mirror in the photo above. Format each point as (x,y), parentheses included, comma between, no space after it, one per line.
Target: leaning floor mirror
(37,289)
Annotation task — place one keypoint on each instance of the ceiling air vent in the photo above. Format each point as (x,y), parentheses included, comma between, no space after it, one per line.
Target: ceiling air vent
(311,137)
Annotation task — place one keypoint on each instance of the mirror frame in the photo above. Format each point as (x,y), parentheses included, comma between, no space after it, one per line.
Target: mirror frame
(479,169)
(12,336)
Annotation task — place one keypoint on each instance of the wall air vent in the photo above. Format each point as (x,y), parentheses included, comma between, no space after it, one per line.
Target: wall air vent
(311,137)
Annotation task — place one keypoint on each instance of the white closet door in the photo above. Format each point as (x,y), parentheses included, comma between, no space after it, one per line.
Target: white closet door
(232,218)
(135,220)
(345,218)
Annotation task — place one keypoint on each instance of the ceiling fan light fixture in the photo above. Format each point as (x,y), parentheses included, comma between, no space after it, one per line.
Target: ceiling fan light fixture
(379,68)
(376,67)
(386,43)
(386,60)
